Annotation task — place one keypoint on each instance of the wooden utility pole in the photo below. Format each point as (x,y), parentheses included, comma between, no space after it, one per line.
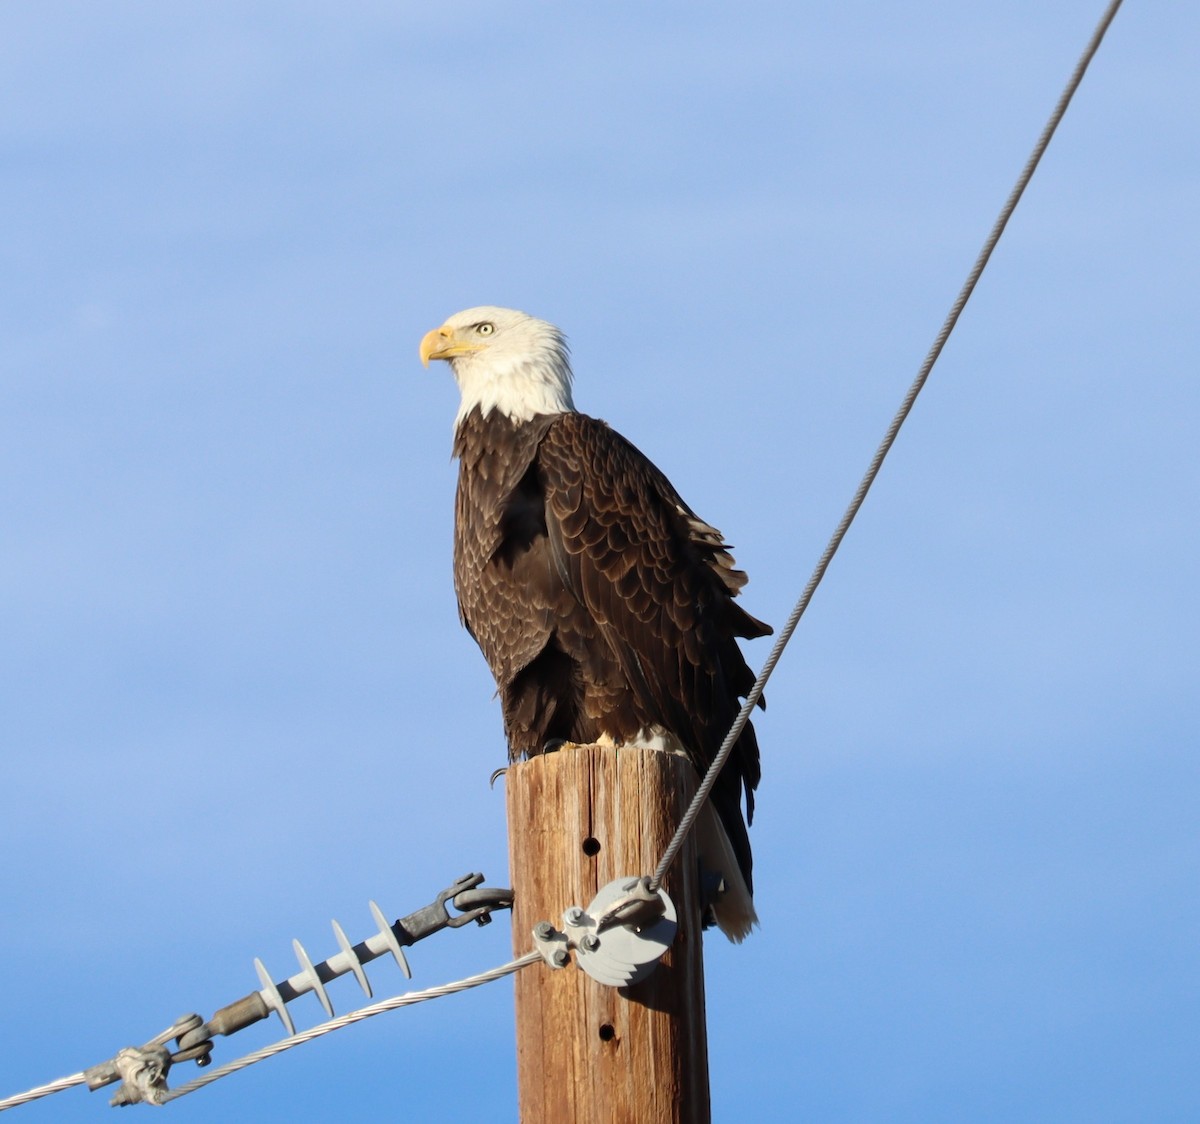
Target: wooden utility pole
(587,1053)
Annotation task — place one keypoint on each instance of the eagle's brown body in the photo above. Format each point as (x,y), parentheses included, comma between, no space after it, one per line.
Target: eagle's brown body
(602,604)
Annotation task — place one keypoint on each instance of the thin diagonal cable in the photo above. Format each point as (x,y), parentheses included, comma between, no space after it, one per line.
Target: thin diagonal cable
(405,1000)
(43,1091)
(885,446)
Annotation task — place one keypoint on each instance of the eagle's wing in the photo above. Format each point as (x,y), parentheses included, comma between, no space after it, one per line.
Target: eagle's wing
(508,594)
(660,583)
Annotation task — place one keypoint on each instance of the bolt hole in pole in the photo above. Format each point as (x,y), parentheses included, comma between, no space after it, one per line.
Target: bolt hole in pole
(591,846)
(607,1032)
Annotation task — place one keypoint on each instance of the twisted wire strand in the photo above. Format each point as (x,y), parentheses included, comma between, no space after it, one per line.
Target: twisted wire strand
(406,1000)
(1006,212)
(43,1091)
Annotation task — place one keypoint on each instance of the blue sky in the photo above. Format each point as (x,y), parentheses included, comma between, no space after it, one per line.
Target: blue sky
(234,697)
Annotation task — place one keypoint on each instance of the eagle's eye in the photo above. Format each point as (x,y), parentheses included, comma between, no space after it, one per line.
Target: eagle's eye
(486,328)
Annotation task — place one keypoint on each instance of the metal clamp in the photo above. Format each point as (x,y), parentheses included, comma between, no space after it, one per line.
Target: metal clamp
(143,1070)
(637,906)
(620,937)
(552,944)
(475,905)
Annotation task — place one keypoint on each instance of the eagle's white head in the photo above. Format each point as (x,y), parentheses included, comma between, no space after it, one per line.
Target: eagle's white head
(503,360)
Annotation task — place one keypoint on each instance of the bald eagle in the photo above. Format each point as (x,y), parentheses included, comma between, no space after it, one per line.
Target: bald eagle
(603,604)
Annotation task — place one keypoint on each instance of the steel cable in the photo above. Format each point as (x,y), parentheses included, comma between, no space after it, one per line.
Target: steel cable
(406,1000)
(1010,205)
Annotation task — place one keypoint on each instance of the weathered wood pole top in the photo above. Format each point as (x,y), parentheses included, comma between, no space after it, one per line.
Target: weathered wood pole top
(586,1053)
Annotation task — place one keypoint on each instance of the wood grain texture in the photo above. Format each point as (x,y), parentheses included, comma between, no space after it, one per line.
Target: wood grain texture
(587,1053)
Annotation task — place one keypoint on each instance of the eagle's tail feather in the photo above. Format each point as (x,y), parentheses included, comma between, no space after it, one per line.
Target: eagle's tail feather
(734,906)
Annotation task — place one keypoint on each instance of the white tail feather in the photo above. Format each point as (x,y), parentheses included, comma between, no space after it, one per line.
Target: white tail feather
(734,907)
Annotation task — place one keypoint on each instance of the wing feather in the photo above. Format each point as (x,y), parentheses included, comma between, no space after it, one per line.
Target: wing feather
(658,579)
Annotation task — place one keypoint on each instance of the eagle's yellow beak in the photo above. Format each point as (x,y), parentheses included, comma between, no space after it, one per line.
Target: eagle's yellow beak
(445,343)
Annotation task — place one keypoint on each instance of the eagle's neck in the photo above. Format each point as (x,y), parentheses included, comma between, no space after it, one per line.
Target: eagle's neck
(519,387)
(496,448)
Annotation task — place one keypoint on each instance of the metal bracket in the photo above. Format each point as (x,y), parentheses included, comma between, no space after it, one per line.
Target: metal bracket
(620,937)
(552,944)
(475,905)
(635,904)
(143,1071)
